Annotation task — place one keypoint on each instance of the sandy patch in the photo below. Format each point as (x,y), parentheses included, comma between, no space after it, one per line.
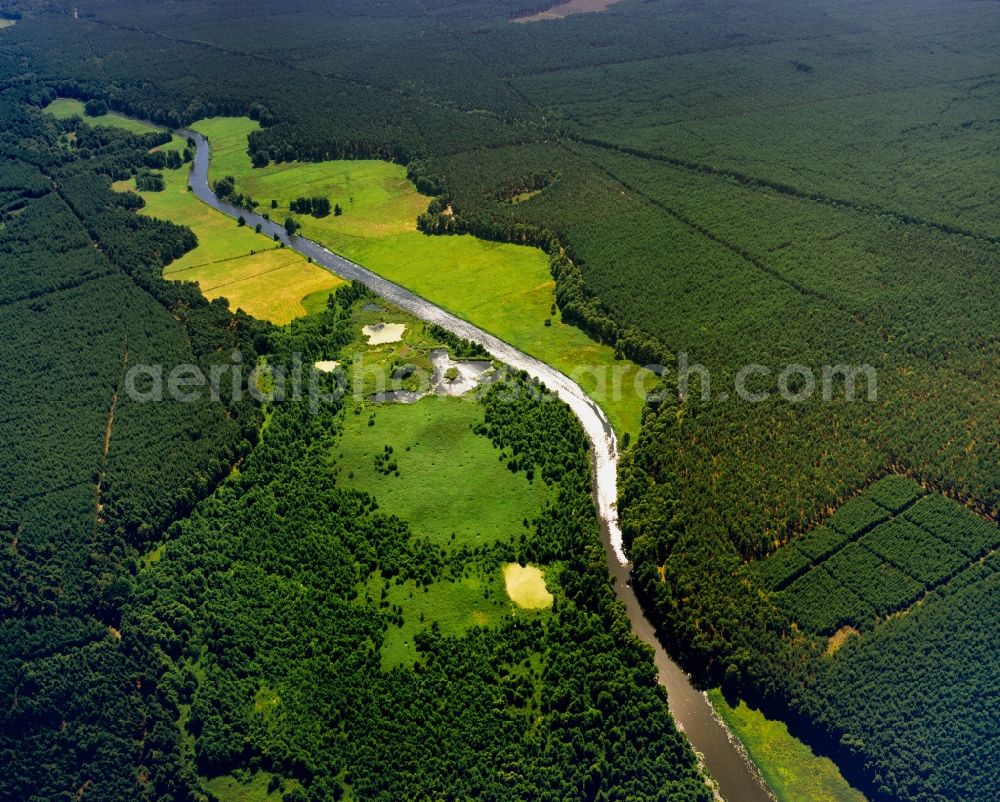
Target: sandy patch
(457,377)
(526,586)
(839,638)
(566,9)
(382,333)
(326,365)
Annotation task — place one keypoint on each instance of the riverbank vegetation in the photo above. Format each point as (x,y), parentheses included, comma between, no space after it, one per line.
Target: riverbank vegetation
(752,183)
(411,642)
(505,289)
(791,770)
(187,586)
(247,269)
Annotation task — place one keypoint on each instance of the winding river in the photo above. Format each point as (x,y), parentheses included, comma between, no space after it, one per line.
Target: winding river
(737,780)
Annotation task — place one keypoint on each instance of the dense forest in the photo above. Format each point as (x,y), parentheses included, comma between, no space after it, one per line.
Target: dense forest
(747,182)
(511,711)
(143,640)
(91,478)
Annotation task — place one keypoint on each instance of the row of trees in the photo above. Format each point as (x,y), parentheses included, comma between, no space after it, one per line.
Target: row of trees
(317,207)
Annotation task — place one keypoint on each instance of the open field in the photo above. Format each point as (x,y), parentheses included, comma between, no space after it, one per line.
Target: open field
(451,487)
(455,606)
(235,262)
(476,600)
(63,107)
(232,262)
(791,769)
(227,788)
(503,288)
(369,367)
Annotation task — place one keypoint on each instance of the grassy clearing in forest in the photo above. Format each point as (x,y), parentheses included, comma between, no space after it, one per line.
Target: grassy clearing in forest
(228,788)
(369,367)
(233,261)
(526,586)
(791,769)
(63,108)
(455,606)
(451,488)
(506,289)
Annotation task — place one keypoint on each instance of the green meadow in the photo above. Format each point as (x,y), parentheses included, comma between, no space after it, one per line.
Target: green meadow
(790,768)
(255,788)
(455,606)
(451,486)
(231,262)
(63,108)
(235,262)
(372,365)
(503,288)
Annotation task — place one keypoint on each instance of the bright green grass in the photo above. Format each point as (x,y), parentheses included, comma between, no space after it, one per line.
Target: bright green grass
(791,769)
(62,108)
(456,607)
(235,262)
(451,480)
(503,288)
(229,789)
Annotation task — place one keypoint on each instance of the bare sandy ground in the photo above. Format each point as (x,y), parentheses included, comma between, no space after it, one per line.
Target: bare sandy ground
(568,8)
(382,333)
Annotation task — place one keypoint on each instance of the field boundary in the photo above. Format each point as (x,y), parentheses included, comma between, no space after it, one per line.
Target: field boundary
(754,182)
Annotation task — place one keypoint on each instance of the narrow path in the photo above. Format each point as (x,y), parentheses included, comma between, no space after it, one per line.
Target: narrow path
(737,779)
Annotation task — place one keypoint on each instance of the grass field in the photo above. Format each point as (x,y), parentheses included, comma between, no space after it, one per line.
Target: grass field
(228,788)
(451,486)
(473,601)
(369,367)
(454,606)
(505,289)
(236,262)
(791,769)
(231,262)
(63,108)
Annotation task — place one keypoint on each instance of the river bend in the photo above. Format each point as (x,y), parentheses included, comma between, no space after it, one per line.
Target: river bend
(723,757)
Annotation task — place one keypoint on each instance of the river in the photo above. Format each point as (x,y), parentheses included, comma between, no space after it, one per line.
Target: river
(724,759)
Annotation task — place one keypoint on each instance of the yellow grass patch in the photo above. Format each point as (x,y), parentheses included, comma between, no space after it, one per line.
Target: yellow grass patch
(526,586)
(839,638)
(235,263)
